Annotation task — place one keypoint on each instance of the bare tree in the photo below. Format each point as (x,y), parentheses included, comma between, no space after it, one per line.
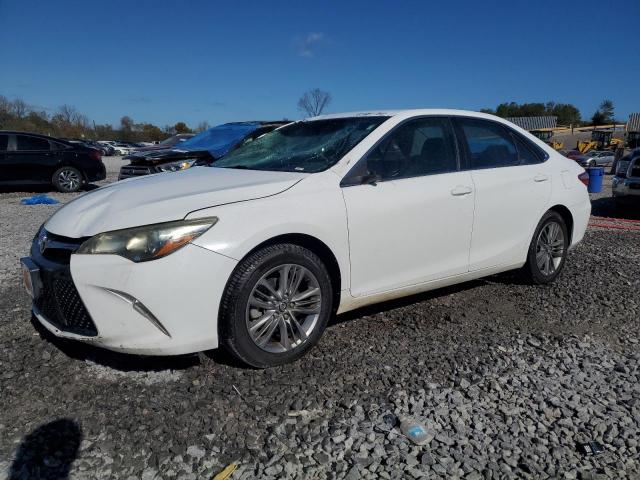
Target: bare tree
(202,126)
(313,102)
(20,108)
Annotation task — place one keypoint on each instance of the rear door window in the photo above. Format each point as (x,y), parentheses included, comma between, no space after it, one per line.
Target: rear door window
(25,143)
(4,142)
(489,145)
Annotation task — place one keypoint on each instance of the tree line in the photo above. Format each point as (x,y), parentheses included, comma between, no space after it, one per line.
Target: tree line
(68,122)
(567,113)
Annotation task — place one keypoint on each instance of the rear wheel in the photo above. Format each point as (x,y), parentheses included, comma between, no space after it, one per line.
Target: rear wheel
(548,249)
(67,179)
(276,305)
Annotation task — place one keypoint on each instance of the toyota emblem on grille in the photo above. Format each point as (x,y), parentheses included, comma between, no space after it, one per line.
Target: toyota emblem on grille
(42,242)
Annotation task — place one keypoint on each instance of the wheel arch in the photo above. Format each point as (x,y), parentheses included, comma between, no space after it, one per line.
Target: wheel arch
(318,247)
(566,215)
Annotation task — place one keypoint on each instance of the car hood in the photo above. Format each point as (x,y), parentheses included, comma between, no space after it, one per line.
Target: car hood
(164,197)
(162,156)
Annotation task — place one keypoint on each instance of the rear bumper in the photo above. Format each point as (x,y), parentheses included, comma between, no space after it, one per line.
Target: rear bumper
(96,174)
(580,213)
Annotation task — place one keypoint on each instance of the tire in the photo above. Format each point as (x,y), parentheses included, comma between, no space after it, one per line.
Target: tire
(533,271)
(257,278)
(67,179)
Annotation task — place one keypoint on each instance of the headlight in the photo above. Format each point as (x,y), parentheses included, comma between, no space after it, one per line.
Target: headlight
(175,166)
(149,242)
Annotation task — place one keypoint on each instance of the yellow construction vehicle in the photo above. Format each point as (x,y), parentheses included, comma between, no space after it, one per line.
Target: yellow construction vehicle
(546,135)
(600,140)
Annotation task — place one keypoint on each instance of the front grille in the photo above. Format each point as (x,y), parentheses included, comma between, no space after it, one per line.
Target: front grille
(62,306)
(59,301)
(129,171)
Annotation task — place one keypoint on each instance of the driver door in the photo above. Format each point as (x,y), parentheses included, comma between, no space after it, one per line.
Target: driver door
(409,209)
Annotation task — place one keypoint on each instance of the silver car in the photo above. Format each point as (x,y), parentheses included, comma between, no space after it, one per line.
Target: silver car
(596,158)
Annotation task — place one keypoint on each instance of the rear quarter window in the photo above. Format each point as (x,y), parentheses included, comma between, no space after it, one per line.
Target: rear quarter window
(25,143)
(528,153)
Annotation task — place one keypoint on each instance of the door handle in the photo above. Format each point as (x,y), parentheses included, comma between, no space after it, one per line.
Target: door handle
(460,190)
(541,178)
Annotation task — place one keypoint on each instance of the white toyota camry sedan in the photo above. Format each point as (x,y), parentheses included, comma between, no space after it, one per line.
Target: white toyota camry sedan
(321,216)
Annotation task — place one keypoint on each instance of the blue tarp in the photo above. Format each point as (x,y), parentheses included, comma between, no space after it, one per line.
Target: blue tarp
(39,200)
(219,140)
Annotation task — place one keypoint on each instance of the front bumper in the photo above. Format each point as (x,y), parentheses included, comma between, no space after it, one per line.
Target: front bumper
(167,306)
(626,187)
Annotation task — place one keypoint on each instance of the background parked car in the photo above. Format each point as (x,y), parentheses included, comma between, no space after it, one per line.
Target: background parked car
(119,148)
(626,183)
(596,158)
(103,148)
(202,149)
(167,143)
(27,158)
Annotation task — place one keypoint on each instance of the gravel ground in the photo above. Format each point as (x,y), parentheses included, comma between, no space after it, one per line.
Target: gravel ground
(507,379)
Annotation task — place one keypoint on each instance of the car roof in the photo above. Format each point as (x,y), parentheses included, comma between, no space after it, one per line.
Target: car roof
(19,132)
(409,113)
(47,137)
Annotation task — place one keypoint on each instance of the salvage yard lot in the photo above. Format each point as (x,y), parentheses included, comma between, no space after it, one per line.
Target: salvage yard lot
(507,378)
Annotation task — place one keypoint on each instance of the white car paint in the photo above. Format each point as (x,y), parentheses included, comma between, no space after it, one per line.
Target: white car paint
(389,240)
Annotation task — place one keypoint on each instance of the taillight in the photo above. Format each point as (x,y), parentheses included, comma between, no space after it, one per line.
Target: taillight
(584,178)
(95,155)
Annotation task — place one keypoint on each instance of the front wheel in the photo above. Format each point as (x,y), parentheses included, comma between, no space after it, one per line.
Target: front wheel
(276,305)
(67,179)
(548,250)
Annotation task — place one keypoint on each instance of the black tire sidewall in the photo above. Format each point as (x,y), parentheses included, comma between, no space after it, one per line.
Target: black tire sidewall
(534,273)
(232,320)
(56,183)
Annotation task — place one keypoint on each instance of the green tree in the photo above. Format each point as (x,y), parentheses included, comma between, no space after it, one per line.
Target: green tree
(598,118)
(181,127)
(607,111)
(567,113)
(151,133)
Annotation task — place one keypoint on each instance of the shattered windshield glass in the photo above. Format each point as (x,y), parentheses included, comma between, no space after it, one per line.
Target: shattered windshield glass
(308,147)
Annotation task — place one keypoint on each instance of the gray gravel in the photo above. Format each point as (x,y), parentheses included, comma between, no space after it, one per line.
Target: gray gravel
(507,379)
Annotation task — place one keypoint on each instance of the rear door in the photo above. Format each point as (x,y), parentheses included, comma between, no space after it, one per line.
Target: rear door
(31,159)
(412,224)
(512,188)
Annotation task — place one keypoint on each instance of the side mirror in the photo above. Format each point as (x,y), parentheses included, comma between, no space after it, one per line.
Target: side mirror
(371,178)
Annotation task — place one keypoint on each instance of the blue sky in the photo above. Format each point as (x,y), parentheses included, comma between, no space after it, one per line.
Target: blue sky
(164,61)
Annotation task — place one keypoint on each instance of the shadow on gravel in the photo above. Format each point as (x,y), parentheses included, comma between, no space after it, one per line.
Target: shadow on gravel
(119,361)
(404,302)
(607,207)
(47,452)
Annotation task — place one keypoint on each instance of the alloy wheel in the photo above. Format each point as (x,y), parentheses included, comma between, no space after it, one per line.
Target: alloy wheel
(283,308)
(69,179)
(550,248)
